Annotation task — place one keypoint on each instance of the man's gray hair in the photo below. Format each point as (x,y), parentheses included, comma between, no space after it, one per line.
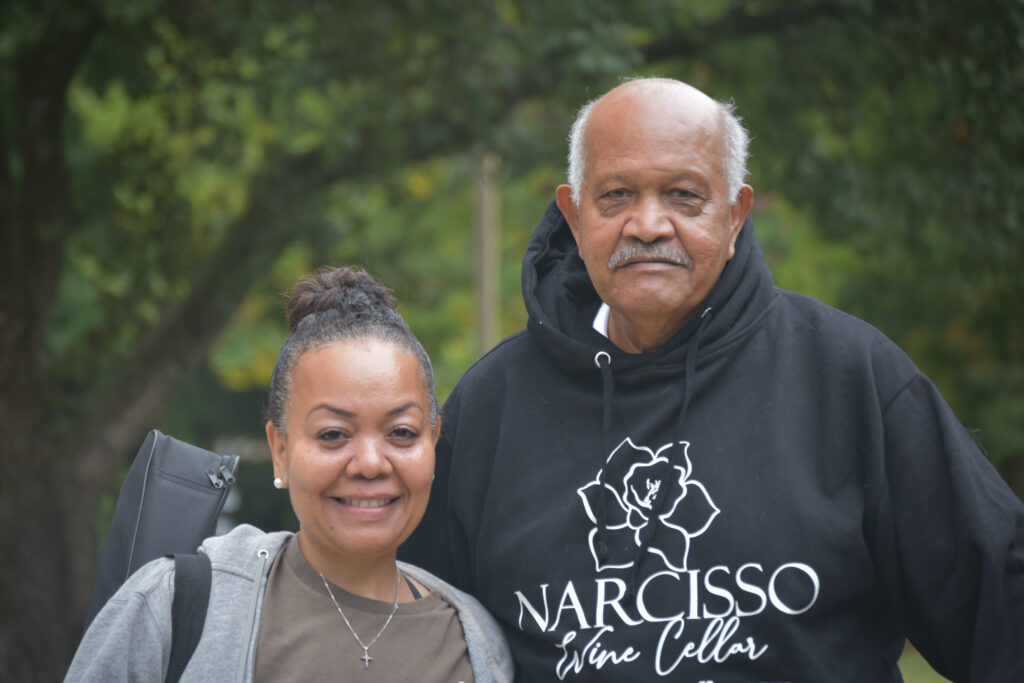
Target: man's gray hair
(735,138)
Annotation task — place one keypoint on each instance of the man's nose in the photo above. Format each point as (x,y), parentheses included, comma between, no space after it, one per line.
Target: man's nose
(649,221)
(369,460)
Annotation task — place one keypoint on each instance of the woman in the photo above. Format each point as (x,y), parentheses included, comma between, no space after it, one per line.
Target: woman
(352,421)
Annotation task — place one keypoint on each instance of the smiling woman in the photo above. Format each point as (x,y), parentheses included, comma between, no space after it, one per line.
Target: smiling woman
(357,457)
(352,421)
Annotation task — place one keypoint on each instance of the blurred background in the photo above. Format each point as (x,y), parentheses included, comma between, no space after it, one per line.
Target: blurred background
(171,169)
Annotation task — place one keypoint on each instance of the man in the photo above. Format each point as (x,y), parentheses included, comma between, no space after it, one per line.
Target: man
(679,470)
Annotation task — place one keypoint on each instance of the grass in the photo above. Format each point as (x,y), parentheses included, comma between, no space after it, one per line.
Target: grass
(916,670)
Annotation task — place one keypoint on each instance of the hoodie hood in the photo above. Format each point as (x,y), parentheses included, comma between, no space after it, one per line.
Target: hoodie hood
(561,301)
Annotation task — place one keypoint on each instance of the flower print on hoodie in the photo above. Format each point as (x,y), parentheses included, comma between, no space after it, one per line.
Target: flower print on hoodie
(630,488)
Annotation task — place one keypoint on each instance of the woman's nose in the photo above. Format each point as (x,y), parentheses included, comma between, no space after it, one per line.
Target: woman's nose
(369,460)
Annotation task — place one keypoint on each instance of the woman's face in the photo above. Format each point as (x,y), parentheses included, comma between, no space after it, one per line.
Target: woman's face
(358,457)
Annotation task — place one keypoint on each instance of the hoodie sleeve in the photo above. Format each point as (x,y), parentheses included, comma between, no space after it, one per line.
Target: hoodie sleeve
(951,547)
(127,641)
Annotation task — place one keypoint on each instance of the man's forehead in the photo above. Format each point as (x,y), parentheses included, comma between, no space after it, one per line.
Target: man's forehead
(660,130)
(661,94)
(655,112)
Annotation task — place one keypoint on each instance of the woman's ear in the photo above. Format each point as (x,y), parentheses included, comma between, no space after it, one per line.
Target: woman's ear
(278,442)
(436,429)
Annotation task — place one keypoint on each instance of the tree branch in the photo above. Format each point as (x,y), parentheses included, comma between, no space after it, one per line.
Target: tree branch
(740,23)
(122,412)
(135,396)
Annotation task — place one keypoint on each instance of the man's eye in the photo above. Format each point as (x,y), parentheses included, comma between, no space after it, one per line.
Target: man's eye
(616,194)
(682,194)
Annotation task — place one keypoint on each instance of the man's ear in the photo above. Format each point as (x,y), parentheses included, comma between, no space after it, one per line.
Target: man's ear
(738,215)
(563,198)
(277,442)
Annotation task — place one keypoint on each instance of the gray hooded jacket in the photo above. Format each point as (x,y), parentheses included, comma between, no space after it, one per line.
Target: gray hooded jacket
(130,639)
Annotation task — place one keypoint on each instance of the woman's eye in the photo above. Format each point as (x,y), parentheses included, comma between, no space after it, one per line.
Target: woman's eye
(331,435)
(405,433)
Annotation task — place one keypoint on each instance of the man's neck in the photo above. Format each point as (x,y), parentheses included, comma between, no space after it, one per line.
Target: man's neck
(641,336)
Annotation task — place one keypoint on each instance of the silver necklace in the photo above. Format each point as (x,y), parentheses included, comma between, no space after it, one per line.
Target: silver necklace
(366,648)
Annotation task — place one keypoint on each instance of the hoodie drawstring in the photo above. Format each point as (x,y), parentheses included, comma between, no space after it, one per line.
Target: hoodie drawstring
(660,501)
(607,390)
(691,370)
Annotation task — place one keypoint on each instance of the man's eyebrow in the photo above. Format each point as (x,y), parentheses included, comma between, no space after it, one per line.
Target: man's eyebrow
(693,177)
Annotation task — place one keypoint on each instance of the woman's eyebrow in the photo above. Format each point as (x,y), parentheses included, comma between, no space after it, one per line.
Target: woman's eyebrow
(347,413)
(332,409)
(405,406)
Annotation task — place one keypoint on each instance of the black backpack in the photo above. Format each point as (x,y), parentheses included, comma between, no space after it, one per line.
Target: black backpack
(169,502)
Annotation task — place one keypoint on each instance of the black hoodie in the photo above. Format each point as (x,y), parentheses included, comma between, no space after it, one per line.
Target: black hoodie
(776,494)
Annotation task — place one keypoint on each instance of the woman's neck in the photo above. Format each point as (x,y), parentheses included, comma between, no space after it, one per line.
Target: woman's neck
(373,577)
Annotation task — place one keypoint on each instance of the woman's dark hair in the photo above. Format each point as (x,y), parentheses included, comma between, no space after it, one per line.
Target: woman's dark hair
(334,304)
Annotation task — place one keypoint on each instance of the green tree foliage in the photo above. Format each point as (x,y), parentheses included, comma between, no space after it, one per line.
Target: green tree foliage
(157,160)
(903,140)
(170,169)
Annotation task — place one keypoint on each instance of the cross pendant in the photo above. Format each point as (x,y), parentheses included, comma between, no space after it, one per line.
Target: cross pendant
(366,658)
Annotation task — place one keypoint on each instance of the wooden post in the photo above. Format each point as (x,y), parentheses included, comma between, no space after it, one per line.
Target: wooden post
(488,250)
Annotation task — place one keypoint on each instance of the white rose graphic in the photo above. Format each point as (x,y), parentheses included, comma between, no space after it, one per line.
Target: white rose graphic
(628,504)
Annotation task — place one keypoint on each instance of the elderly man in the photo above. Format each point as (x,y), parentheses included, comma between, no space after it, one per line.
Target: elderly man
(679,470)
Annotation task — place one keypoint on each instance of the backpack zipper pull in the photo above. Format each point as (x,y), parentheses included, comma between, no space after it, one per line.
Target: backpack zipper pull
(220,476)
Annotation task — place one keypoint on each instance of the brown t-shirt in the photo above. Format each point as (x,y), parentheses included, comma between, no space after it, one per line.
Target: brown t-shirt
(303,638)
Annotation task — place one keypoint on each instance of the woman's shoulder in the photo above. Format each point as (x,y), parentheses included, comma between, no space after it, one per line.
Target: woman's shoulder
(464,603)
(433,582)
(485,639)
(241,547)
(152,581)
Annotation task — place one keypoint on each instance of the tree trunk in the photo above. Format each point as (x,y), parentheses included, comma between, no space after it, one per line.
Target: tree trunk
(44,534)
(47,540)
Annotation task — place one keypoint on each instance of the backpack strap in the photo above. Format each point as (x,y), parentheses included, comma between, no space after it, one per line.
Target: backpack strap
(192,579)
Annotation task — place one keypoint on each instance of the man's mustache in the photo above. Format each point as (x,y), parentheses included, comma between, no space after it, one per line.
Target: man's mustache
(658,252)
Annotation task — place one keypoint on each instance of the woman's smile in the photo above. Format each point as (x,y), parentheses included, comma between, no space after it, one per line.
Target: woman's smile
(366,503)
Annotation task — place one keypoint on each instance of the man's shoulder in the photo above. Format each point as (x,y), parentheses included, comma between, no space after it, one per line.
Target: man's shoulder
(829,320)
(843,335)
(516,361)
(518,347)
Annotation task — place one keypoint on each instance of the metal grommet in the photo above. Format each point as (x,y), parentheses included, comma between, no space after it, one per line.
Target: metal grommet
(597,358)
(263,553)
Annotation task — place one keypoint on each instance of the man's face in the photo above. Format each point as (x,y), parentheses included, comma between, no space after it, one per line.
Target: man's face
(654,225)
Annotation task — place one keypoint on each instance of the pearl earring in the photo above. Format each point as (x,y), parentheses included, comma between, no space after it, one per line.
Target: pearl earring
(278,483)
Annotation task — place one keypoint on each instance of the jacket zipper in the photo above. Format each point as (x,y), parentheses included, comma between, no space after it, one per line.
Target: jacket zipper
(256,621)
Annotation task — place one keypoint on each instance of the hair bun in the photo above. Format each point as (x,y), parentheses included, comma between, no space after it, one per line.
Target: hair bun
(352,292)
